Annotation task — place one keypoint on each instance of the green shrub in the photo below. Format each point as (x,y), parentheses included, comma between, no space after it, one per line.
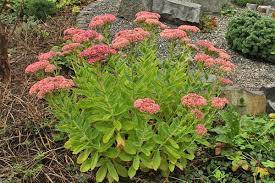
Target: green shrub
(244,2)
(253,35)
(40,9)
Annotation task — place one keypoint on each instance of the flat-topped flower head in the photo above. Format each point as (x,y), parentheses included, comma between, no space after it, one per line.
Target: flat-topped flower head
(36,66)
(199,115)
(47,56)
(97,52)
(189,28)
(219,103)
(155,22)
(50,84)
(143,15)
(68,33)
(193,100)
(225,81)
(173,34)
(205,44)
(68,48)
(147,105)
(225,65)
(201,130)
(101,20)
(126,37)
(86,36)
(207,60)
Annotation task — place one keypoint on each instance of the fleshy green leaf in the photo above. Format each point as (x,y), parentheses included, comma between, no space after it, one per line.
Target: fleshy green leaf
(108,135)
(131,172)
(156,160)
(121,170)
(83,156)
(101,173)
(136,162)
(112,171)
(94,160)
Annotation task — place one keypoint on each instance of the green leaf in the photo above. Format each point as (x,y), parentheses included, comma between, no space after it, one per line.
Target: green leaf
(112,153)
(125,157)
(136,162)
(156,160)
(86,166)
(121,170)
(101,173)
(112,171)
(94,160)
(172,151)
(83,156)
(171,167)
(132,172)
(107,136)
(117,125)
(203,142)
(129,148)
(174,143)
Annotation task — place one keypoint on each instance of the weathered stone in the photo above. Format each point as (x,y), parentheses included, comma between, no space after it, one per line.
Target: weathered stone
(269,91)
(178,9)
(251,6)
(247,102)
(262,8)
(128,8)
(270,11)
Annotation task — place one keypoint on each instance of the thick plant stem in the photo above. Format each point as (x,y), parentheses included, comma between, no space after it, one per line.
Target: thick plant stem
(4,64)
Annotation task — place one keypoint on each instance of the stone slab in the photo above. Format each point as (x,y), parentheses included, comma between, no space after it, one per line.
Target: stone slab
(178,9)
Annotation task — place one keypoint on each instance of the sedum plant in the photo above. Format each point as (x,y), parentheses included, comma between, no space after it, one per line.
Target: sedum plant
(126,107)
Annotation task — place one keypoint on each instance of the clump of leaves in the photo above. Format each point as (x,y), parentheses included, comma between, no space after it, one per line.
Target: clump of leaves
(228,11)
(207,23)
(248,142)
(253,35)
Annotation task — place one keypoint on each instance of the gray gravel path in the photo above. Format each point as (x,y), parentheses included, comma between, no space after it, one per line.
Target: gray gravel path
(249,74)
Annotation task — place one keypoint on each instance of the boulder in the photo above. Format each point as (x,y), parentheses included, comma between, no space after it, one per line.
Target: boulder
(251,6)
(269,91)
(178,9)
(128,8)
(247,102)
(263,8)
(270,10)
(269,2)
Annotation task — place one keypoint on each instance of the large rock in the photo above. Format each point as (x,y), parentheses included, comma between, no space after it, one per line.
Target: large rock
(247,102)
(269,2)
(128,8)
(178,9)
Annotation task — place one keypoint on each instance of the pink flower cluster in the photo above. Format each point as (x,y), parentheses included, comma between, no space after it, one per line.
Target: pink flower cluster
(97,53)
(219,103)
(40,65)
(79,35)
(150,19)
(173,34)
(225,65)
(147,105)
(201,130)
(68,48)
(47,56)
(207,60)
(210,47)
(50,84)
(193,100)
(225,81)
(199,115)
(101,20)
(189,28)
(125,37)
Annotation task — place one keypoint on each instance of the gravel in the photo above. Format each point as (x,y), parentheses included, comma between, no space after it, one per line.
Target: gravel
(250,74)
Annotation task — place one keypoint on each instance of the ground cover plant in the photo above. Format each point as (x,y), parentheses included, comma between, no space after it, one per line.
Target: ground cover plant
(243,3)
(125,108)
(252,35)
